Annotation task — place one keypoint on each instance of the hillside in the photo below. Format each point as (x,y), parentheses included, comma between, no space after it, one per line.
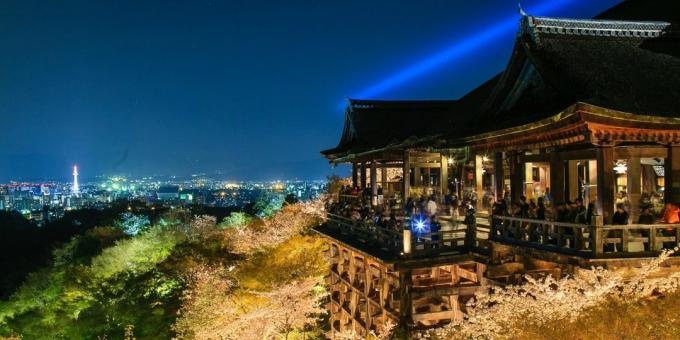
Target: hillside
(183,277)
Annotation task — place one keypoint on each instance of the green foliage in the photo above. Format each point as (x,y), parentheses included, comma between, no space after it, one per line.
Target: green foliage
(236,219)
(136,255)
(268,203)
(89,292)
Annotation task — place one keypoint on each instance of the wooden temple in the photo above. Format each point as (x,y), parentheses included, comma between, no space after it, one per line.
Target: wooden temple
(586,109)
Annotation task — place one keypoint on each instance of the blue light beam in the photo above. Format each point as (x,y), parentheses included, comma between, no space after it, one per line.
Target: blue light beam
(455,51)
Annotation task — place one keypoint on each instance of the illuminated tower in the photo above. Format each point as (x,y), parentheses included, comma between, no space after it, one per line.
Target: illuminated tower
(75,188)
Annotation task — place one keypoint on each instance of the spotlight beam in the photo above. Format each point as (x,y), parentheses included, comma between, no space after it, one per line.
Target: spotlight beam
(454,51)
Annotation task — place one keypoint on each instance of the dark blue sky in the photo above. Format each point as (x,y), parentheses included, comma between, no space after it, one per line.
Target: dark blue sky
(248,88)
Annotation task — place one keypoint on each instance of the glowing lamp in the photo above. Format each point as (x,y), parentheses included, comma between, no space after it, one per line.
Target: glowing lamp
(419,225)
(407,242)
(620,168)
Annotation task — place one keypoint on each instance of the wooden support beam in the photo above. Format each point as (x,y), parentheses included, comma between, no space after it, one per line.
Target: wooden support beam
(368,278)
(640,152)
(417,176)
(363,175)
(479,181)
(468,275)
(557,182)
(374,183)
(605,182)
(517,176)
(407,176)
(498,174)
(672,174)
(384,290)
(405,308)
(355,175)
(634,187)
(383,178)
(571,177)
(444,177)
(434,316)
(565,155)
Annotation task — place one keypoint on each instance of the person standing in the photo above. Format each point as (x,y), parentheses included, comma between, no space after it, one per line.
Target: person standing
(431,206)
(620,216)
(540,210)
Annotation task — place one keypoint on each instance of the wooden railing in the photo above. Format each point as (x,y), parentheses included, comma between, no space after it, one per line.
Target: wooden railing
(451,237)
(636,238)
(586,240)
(390,241)
(349,198)
(567,237)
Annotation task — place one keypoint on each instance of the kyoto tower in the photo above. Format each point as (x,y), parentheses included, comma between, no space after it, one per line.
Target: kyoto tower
(75,189)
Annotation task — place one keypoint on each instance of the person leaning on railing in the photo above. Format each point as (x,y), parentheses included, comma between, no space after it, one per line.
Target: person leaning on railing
(471,223)
(646,216)
(540,209)
(434,231)
(620,216)
(580,212)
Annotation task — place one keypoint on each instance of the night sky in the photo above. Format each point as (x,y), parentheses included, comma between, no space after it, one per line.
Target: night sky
(244,89)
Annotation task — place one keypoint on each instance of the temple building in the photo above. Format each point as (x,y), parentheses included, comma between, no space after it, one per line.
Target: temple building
(586,110)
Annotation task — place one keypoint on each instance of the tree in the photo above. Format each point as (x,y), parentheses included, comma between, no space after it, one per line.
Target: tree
(290,199)
(132,224)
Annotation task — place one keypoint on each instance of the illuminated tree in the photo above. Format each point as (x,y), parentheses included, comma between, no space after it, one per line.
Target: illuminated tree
(132,224)
(498,312)
(236,219)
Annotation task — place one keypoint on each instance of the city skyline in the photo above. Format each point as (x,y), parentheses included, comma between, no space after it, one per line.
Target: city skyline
(67,176)
(173,88)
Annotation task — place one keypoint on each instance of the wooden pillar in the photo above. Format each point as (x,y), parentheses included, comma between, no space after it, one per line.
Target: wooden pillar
(374,183)
(634,187)
(479,181)
(383,178)
(444,177)
(557,182)
(572,180)
(405,308)
(363,175)
(605,182)
(417,176)
(517,176)
(406,186)
(355,175)
(498,174)
(672,175)
(368,278)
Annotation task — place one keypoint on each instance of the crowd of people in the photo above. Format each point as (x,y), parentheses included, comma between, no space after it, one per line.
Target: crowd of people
(576,212)
(390,212)
(357,205)
(568,211)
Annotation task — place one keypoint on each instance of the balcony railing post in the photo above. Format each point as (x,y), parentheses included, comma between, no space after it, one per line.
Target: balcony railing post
(596,235)
(625,234)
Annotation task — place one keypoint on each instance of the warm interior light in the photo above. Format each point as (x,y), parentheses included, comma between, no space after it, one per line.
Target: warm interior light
(620,168)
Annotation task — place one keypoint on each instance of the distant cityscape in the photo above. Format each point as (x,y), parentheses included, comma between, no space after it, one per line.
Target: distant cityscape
(45,201)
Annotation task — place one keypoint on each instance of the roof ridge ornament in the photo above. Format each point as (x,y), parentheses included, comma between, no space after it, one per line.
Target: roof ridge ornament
(521,10)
